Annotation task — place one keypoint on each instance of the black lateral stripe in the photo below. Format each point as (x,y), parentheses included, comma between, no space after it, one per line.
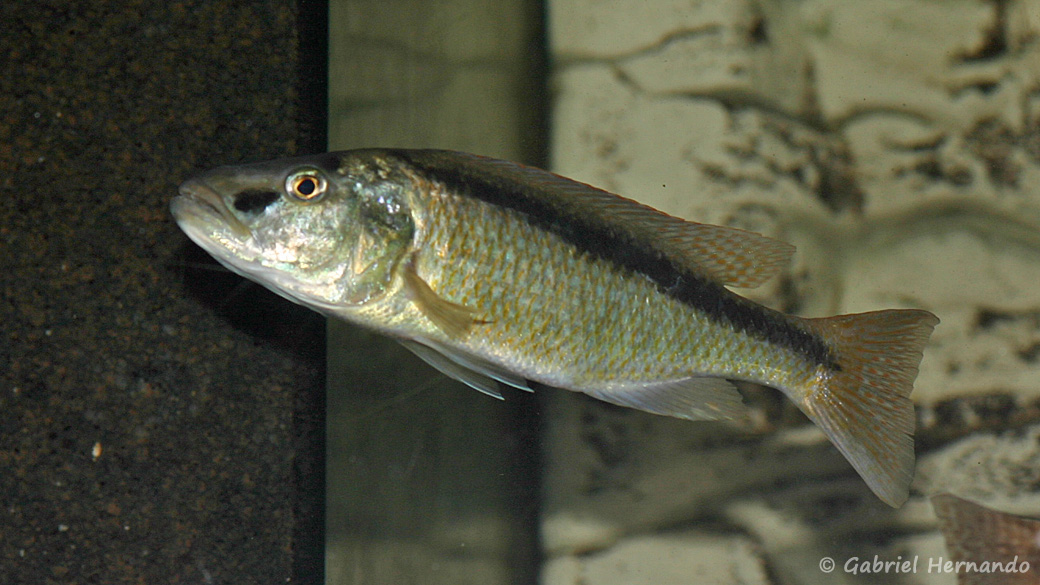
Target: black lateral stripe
(703,294)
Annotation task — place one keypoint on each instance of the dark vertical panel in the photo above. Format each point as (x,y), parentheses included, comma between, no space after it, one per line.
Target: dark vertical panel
(527,420)
(309,412)
(313,75)
(429,481)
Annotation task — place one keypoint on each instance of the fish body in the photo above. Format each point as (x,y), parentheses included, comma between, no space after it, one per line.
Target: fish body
(495,273)
(989,547)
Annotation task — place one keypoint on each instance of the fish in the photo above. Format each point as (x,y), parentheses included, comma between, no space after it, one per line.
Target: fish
(496,273)
(988,547)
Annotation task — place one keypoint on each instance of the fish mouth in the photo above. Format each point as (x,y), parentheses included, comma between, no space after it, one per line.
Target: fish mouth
(200,202)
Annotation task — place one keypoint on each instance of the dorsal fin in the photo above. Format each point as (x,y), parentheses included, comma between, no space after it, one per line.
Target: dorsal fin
(734,257)
(727,255)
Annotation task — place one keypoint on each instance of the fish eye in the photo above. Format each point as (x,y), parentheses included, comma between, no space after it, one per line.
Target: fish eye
(306,185)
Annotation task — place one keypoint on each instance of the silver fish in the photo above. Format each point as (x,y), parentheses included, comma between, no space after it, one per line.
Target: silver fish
(495,273)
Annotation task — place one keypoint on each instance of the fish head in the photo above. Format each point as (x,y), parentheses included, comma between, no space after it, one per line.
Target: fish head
(323,231)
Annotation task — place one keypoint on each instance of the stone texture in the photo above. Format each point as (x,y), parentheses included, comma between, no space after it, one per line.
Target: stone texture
(997,469)
(671,559)
(896,144)
(610,28)
(611,471)
(925,203)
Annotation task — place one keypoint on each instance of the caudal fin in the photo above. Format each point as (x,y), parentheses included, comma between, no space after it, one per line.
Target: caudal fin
(864,406)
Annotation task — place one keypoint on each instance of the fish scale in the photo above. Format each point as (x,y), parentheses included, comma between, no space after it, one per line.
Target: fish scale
(495,273)
(614,325)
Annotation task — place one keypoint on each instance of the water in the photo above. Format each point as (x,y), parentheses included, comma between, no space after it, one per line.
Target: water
(428,481)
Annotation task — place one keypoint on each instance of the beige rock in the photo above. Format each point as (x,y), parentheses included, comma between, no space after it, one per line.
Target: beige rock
(940,219)
(996,469)
(612,471)
(890,55)
(896,144)
(672,559)
(611,28)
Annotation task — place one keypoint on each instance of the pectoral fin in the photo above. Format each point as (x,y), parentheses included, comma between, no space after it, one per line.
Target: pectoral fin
(453,319)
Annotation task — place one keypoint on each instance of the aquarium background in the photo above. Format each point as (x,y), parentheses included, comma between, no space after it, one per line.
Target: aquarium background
(428,481)
(158,416)
(895,143)
(162,421)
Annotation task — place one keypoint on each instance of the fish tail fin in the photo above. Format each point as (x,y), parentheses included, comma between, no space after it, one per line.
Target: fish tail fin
(863,405)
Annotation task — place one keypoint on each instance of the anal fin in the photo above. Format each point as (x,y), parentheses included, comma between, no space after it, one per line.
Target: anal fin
(693,398)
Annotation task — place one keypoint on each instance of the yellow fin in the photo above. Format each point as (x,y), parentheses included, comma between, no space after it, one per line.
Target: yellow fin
(864,407)
(453,319)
